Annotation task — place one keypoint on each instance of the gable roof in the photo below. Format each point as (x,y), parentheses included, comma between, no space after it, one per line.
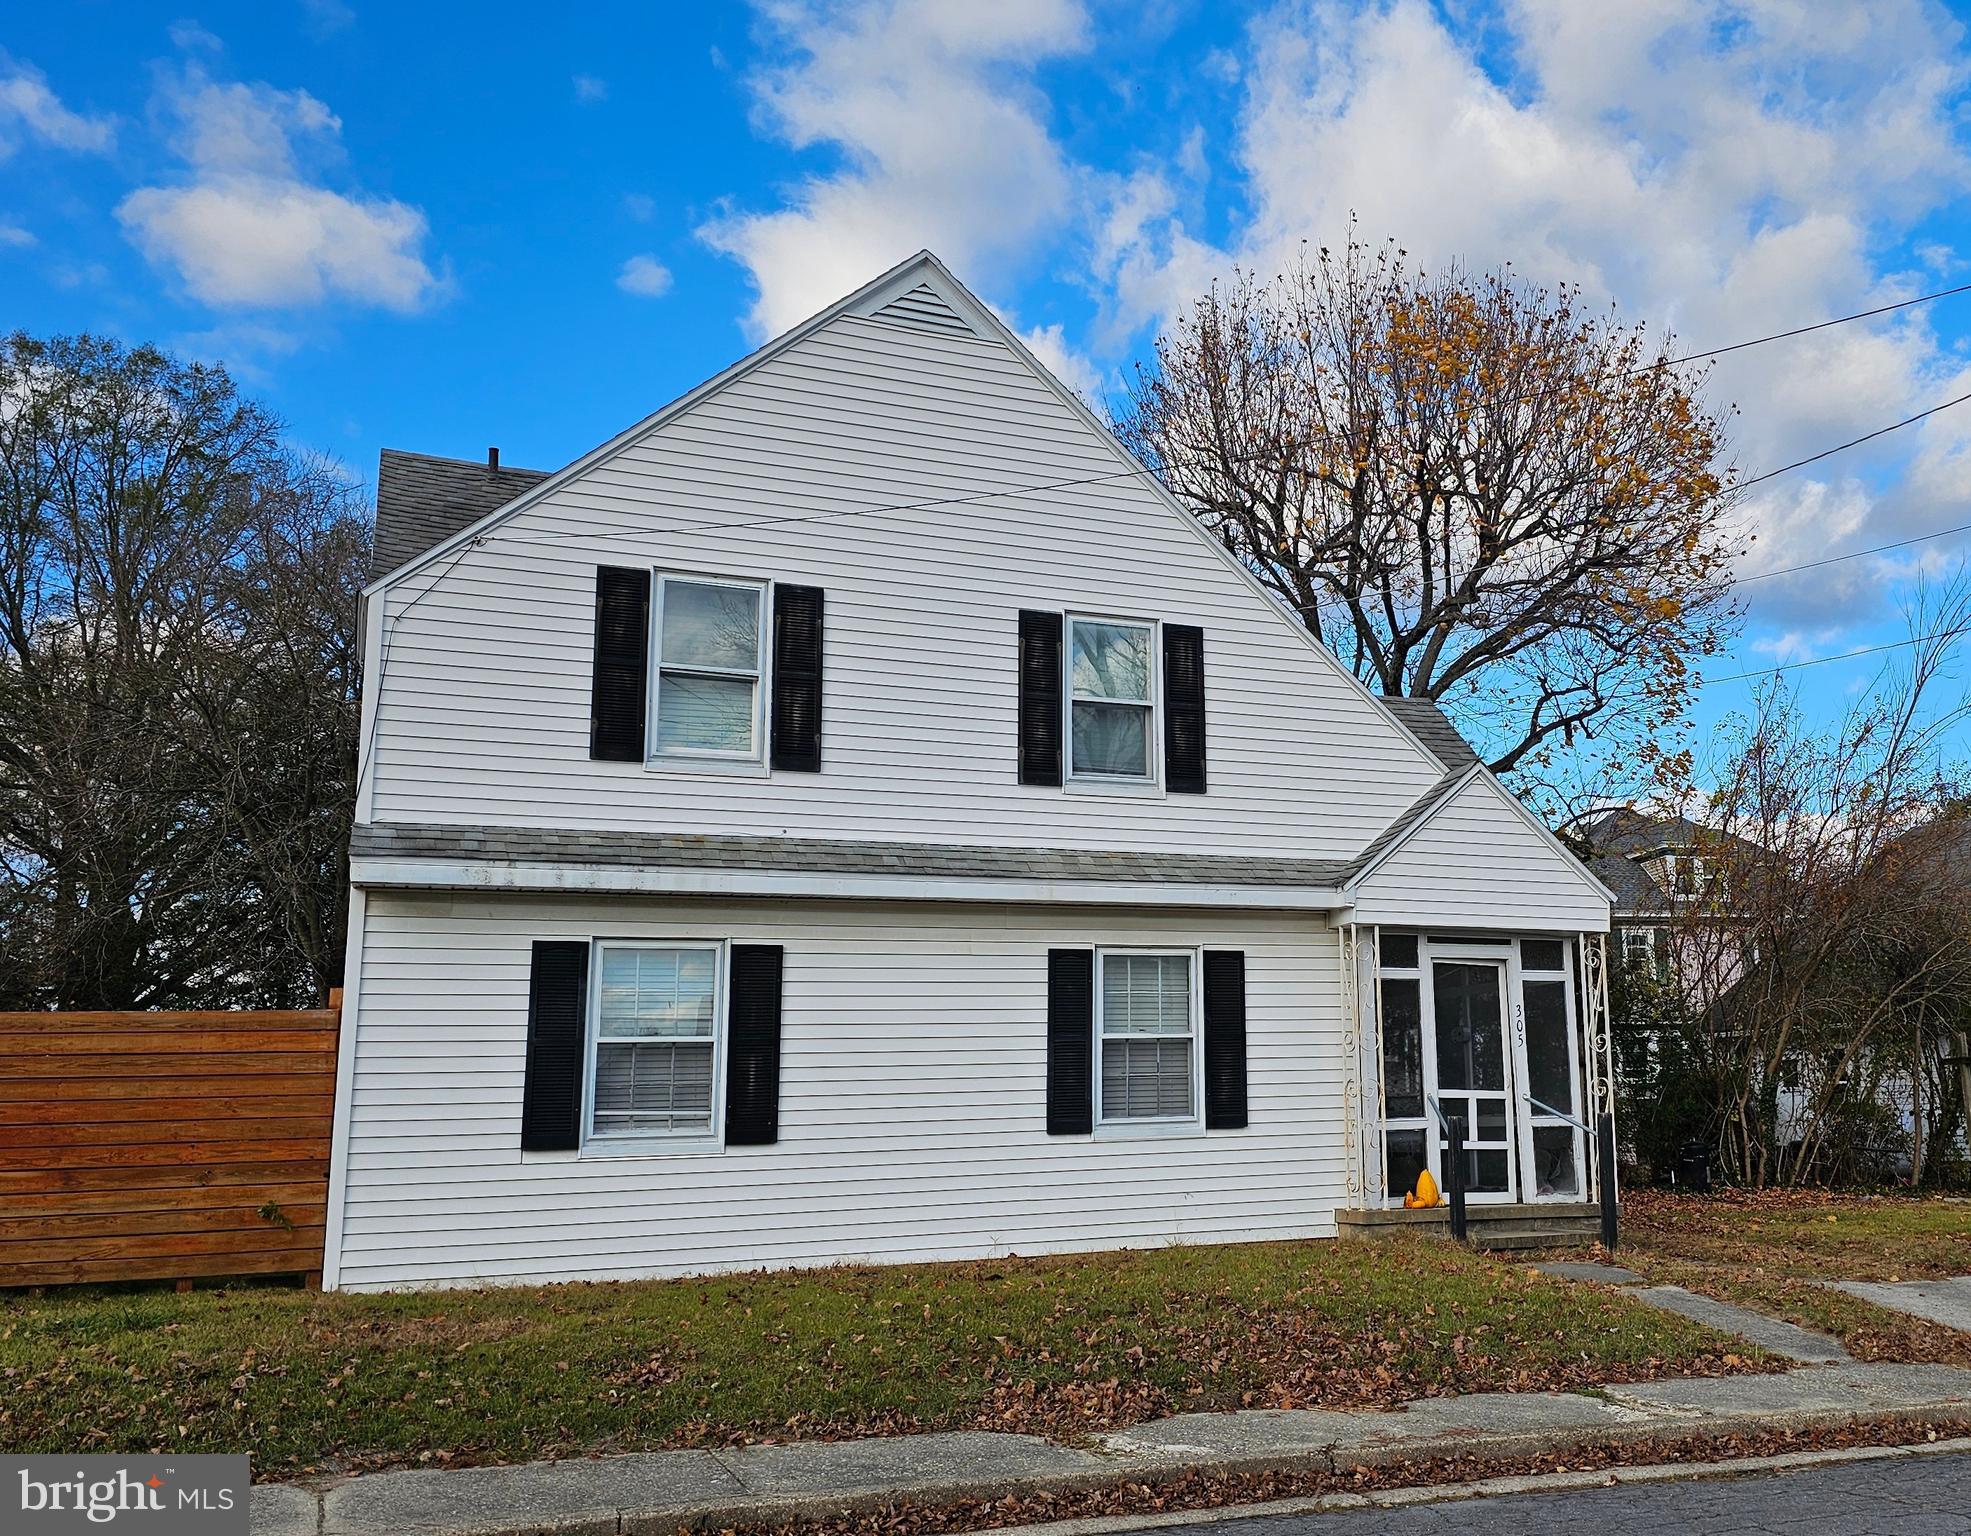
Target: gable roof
(1441,794)
(1621,842)
(422,500)
(918,290)
(1425,720)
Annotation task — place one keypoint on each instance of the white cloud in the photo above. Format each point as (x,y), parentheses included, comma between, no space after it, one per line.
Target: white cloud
(30,110)
(640,206)
(327,17)
(1723,169)
(193,38)
(645,276)
(1049,343)
(589,89)
(1719,168)
(14,236)
(930,105)
(246,348)
(250,228)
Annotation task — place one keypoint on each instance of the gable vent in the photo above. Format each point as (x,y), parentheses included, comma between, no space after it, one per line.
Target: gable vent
(924,308)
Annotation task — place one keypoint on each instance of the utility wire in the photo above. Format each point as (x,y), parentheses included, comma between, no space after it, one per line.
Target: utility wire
(1818,661)
(1054,485)
(1143,469)
(1853,442)
(1805,330)
(1856,554)
(815,517)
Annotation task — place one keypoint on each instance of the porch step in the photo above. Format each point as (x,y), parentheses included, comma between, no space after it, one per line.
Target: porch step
(1571,1235)
(1503,1227)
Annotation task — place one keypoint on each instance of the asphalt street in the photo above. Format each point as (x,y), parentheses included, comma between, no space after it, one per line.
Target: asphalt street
(1915,1496)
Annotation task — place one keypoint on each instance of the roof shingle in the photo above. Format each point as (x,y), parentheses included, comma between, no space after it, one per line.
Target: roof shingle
(535,845)
(1425,720)
(422,500)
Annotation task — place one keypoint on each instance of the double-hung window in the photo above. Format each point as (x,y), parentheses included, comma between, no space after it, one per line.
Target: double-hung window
(1111,693)
(654,1042)
(1147,1037)
(710,641)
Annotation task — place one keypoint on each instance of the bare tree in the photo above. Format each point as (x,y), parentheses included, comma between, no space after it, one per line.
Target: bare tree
(1824,956)
(1467,487)
(176,686)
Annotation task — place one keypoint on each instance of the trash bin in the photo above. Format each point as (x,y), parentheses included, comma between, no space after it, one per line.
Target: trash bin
(1693,1173)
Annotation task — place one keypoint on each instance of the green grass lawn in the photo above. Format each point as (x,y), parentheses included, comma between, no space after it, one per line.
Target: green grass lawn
(1811,1232)
(1771,1251)
(1052,1346)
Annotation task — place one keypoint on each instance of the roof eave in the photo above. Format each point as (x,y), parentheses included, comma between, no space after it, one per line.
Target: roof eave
(554,877)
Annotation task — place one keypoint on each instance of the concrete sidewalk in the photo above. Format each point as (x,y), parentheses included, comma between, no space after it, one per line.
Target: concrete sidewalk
(660,1491)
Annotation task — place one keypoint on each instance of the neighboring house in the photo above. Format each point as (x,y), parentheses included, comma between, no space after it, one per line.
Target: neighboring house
(854,814)
(1660,868)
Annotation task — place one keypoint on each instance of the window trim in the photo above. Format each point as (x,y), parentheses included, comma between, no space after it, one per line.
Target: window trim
(1117,783)
(643,1143)
(1152,1125)
(698,758)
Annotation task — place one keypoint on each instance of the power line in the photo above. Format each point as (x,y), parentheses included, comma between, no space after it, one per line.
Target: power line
(815,517)
(916,506)
(1856,554)
(1853,442)
(1817,661)
(1804,330)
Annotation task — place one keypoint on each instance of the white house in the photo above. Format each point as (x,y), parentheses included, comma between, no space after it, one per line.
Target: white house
(854,814)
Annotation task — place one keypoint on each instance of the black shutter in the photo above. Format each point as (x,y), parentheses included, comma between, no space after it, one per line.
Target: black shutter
(620,692)
(1070,1042)
(797,678)
(1040,697)
(557,1042)
(1183,709)
(1225,1039)
(752,1072)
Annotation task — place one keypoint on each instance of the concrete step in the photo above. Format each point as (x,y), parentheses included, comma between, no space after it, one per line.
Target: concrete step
(1518,1224)
(1570,1236)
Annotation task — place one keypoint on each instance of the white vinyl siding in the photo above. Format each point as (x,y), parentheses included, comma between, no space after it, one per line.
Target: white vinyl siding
(815,469)
(1146,1027)
(913,1098)
(1477,864)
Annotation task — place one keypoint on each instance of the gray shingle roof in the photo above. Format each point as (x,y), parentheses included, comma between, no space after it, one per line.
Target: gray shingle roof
(1635,892)
(527,845)
(422,501)
(1620,839)
(1423,719)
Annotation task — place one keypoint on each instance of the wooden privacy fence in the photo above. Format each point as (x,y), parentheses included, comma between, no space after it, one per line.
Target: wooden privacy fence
(164,1145)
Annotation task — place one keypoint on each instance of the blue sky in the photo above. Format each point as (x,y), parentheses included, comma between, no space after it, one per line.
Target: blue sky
(448,226)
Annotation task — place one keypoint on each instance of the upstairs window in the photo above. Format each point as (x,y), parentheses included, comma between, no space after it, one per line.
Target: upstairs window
(710,638)
(1111,693)
(655,1064)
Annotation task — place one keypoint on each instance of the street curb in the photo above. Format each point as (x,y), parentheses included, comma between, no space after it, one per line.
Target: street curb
(1486,1488)
(787,1510)
(294,1510)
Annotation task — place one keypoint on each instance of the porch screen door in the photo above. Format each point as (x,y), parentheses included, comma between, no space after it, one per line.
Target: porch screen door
(1553,1153)
(1471,1068)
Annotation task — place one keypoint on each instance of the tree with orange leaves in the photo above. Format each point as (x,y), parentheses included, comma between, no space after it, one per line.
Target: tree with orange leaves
(1469,488)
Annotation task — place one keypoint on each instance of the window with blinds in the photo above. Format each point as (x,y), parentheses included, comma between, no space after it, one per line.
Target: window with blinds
(710,640)
(656,1042)
(1146,1023)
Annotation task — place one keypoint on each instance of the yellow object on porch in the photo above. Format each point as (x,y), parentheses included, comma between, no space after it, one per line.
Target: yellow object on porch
(1427,1195)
